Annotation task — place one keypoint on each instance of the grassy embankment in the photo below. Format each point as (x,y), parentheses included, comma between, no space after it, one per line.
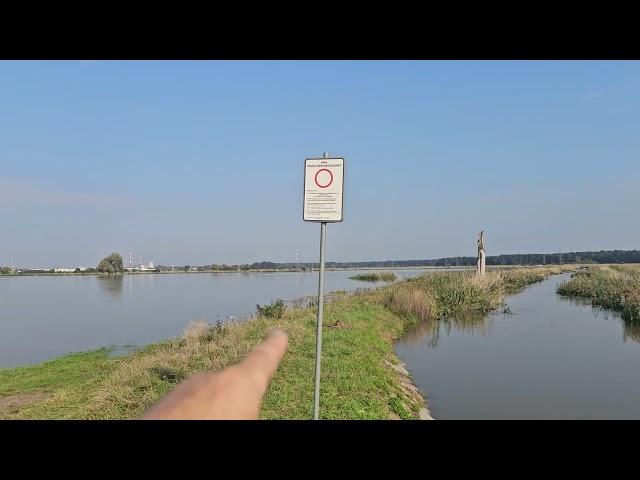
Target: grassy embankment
(375,277)
(616,287)
(360,378)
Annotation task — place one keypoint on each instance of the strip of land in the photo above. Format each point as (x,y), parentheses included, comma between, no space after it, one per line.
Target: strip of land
(362,378)
(375,277)
(616,287)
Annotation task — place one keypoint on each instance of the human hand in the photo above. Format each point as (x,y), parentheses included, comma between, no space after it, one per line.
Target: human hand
(233,393)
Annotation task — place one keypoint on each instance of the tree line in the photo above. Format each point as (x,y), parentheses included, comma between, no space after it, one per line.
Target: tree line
(114,264)
(602,256)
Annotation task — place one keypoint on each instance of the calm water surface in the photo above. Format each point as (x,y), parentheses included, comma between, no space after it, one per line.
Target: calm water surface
(42,316)
(552,358)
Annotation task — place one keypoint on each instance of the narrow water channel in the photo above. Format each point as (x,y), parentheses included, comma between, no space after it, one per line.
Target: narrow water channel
(552,358)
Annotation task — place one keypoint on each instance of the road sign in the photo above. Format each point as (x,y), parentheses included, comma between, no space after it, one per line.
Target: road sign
(323,189)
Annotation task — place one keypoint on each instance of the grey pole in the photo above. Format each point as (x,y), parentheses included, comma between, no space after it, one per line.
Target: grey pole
(316,392)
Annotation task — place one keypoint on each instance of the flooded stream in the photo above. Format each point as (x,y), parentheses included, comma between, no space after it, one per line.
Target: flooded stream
(552,358)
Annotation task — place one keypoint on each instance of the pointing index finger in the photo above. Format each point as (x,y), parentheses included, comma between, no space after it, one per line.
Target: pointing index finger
(261,363)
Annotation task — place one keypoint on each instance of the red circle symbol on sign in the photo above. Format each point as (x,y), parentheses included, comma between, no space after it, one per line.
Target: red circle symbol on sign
(327,183)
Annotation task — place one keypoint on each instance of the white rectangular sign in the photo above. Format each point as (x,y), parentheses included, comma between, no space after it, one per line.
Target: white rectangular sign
(323,189)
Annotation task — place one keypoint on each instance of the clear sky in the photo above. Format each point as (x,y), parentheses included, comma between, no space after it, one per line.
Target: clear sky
(202,162)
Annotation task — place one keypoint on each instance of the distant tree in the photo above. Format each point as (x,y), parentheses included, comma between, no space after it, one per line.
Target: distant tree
(111,264)
(77,270)
(186,268)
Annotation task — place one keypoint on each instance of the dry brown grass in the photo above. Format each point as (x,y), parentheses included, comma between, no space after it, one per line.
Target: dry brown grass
(410,300)
(139,380)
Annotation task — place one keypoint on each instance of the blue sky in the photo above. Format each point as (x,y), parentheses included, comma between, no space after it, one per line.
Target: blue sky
(202,162)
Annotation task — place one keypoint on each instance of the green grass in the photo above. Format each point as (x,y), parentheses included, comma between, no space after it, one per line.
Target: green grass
(69,378)
(375,277)
(616,287)
(358,347)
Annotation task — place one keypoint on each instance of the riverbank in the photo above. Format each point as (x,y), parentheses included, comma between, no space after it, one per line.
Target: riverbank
(616,287)
(362,377)
(246,271)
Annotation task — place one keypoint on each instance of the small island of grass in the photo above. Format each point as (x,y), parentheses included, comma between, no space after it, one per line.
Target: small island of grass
(375,277)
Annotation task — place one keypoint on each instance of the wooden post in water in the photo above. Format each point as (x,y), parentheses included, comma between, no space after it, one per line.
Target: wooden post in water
(481,256)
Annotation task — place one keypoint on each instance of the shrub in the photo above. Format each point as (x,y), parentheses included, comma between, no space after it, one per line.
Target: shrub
(273,310)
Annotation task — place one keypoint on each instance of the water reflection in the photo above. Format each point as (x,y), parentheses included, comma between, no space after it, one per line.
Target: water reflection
(93,311)
(578,301)
(630,330)
(555,358)
(111,285)
(429,331)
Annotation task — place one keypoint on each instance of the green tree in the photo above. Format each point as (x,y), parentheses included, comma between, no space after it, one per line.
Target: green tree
(111,264)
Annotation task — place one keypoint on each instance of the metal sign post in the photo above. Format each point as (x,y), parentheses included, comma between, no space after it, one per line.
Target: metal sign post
(316,390)
(323,199)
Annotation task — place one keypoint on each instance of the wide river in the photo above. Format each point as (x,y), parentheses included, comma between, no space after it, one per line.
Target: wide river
(552,358)
(46,316)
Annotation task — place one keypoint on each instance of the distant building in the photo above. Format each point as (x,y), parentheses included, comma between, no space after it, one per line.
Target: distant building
(150,267)
(69,270)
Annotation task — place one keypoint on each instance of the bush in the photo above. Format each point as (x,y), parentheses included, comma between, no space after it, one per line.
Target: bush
(273,310)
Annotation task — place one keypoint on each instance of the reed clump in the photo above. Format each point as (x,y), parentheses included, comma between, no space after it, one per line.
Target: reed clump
(438,295)
(614,287)
(375,277)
